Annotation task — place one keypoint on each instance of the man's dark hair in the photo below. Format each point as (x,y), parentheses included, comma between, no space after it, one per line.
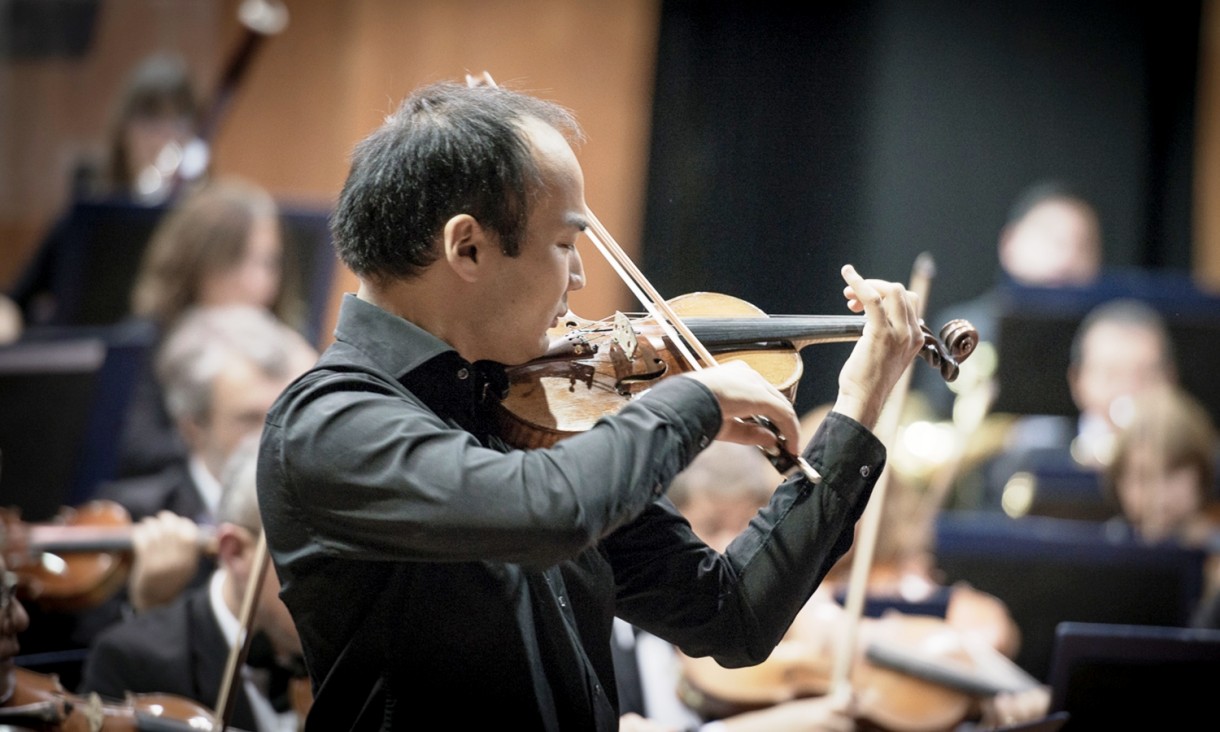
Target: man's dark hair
(448,149)
(1129,312)
(1042,191)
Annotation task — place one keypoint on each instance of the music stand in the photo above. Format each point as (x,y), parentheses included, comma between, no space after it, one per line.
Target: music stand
(63,395)
(1036,325)
(1113,676)
(102,242)
(1050,570)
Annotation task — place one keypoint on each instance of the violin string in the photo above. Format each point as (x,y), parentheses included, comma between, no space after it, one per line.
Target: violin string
(615,255)
(635,280)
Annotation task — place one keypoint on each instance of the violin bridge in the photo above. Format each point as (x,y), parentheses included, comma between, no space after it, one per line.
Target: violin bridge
(624,336)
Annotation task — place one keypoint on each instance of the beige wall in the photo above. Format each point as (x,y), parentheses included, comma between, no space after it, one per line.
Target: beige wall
(328,79)
(1207,151)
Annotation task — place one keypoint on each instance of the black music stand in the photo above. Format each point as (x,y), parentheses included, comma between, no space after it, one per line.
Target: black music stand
(1110,676)
(63,394)
(1036,326)
(1050,570)
(100,243)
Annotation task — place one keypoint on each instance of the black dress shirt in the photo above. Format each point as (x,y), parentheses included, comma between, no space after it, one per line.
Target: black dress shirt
(424,560)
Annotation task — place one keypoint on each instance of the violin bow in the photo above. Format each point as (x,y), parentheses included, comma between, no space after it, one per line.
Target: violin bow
(659,309)
(861,565)
(241,650)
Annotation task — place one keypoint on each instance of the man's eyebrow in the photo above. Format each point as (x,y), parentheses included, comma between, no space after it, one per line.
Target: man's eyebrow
(576,220)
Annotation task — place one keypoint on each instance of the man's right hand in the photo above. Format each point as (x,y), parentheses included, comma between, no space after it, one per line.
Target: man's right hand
(167,549)
(743,393)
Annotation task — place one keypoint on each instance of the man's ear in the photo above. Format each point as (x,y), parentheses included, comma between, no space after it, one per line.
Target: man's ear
(232,543)
(465,241)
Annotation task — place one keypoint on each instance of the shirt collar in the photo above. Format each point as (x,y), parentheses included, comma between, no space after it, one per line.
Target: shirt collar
(419,360)
(225,618)
(395,344)
(205,483)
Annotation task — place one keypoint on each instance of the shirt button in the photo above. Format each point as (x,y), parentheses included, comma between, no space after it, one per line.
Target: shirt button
(463,374)
(865,471)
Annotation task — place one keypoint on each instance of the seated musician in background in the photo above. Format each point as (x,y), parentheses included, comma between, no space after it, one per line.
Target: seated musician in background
(1121,349)
(1163,477)
(1162,473)
(156,109)
(182,648)
(220,245)
(1052,237)
(221,368)
(719,492)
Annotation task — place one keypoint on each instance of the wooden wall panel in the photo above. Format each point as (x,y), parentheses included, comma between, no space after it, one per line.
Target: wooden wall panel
(1207,152)
(327,80)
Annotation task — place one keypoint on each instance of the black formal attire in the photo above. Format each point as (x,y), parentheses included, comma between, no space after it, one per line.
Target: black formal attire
(172,489)
(422,558)
(176,649)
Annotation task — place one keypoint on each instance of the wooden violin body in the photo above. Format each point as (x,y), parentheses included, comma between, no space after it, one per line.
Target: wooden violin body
(595,368)
(75,561)
(39,702)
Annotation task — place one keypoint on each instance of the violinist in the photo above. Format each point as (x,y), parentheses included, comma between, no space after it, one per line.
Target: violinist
(422,556)
(221,368)
(182,648)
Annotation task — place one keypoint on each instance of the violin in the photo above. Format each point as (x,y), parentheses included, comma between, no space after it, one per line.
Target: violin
(40,703)
(911,673)
(77,560)
(594,368)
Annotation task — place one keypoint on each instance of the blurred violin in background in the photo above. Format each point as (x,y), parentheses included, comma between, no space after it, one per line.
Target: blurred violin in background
(40,703)
(77,560)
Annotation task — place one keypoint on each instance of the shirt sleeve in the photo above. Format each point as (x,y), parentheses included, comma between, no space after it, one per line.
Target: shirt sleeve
(360,468)
(737,606)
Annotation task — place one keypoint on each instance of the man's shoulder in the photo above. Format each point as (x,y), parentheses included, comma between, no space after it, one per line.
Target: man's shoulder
(341,368)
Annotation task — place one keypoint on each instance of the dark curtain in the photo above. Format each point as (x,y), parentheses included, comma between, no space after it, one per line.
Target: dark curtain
(787,142)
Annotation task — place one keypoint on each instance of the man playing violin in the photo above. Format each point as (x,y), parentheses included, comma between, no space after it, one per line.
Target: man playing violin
(420,555)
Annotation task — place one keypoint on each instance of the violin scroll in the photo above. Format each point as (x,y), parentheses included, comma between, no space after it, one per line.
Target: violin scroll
(958,339)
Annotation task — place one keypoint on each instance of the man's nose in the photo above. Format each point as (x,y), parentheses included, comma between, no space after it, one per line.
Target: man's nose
(576,276)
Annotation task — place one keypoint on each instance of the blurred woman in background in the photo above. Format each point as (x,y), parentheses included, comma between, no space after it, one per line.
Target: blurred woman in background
(220,245)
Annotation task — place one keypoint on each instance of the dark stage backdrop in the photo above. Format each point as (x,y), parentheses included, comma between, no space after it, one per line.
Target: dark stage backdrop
(788,141)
